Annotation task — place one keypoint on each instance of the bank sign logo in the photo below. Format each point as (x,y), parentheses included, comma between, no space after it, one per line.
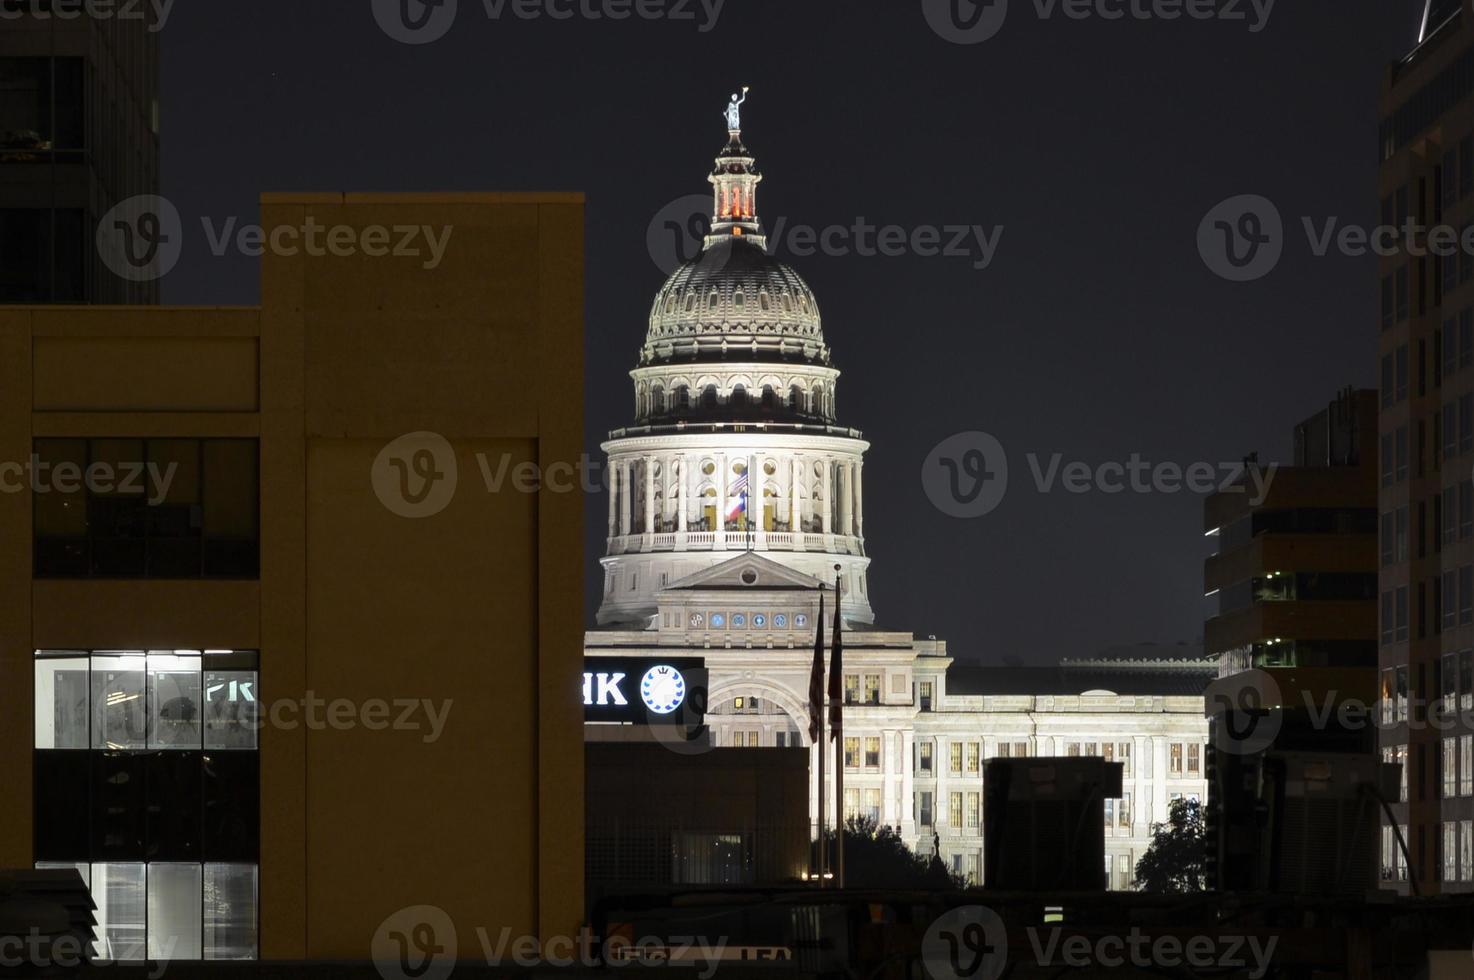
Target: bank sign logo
(663,689)
(660,692)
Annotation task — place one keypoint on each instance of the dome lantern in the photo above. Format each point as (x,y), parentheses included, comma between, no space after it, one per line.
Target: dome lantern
(734,185)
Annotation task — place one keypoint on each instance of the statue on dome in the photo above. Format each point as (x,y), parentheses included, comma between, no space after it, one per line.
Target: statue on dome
(734,111)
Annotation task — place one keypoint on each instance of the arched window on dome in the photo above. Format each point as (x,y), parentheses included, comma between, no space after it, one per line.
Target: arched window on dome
(815,402)
(739,301)
(690,302)
(770,400)
(670,303)
(794,398)
(787,303)
(739,397)
(657,400)
(709,397)
(803,303)
(711,301)
(682,398)
(763,302)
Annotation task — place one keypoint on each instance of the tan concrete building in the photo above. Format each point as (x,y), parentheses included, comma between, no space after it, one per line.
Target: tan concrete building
(301,555)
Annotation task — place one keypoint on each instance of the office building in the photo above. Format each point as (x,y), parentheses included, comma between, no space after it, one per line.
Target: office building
(79,133)
(1426,450)
(253,640)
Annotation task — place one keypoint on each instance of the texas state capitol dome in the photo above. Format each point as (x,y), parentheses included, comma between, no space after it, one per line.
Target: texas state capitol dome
(735,445)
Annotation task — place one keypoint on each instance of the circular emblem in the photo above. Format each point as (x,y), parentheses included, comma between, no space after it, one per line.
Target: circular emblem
(739,620)
(780,620)
(697,620)
(663,689)
(801,620)
(718,620)
(759,620)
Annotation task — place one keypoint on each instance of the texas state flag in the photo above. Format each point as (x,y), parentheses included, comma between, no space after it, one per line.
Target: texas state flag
(737,497)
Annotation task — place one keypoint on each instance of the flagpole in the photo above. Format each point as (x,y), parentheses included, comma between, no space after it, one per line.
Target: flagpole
(838,754)
(819,742)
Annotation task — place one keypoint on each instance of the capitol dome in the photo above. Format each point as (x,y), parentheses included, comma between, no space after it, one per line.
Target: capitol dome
(735,297)
(736,448)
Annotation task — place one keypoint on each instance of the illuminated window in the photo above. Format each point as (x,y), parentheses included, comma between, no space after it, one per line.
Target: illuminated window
(974,758)
(955,751)
(924,757)
(973,809)
(872,688)
(851,752)
(872,752)
(954,809)
(146,781)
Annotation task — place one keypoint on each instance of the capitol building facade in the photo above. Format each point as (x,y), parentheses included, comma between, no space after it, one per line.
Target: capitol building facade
(737,496)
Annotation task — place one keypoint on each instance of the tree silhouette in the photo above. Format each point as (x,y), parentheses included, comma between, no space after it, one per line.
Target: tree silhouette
(1175,862)
(876,857)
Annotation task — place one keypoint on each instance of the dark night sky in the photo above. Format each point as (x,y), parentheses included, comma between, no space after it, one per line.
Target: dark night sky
(1097,332)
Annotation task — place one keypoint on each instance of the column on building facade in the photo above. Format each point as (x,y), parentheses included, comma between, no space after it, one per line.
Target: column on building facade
(843,484)
(681,493)
(613,501)
(826,490)
(1161,792)
(754,492)
(649,494)
(625,475)
(721,522)
(795,505)
(908,785)
(859,502)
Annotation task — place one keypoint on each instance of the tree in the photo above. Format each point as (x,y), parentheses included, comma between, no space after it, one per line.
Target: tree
(1175,862)
(876,857)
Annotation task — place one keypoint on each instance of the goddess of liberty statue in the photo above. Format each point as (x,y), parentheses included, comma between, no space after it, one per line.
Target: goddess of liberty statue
(734,110)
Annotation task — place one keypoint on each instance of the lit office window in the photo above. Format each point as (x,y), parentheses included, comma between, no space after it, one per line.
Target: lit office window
(147,780)
(1450,851)
(62,703)
(175,909)
(118,891)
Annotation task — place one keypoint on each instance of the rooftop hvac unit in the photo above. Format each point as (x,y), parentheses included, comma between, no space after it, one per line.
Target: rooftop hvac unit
(1044,822)
(1299,822)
